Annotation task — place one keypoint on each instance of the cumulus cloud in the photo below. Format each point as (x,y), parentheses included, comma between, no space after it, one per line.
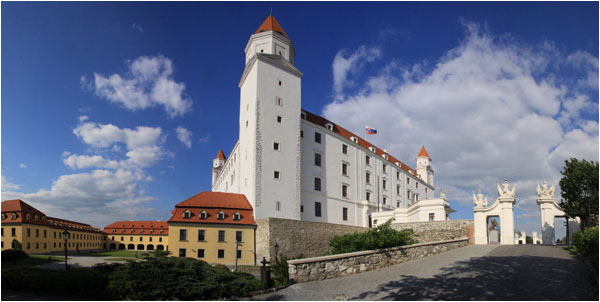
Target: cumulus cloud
(489,109)
(6,185)
(98,197)
(149,83)
(143,144)
(184,135)
(345,64)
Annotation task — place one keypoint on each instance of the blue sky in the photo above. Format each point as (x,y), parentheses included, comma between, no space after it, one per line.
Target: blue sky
(493,90)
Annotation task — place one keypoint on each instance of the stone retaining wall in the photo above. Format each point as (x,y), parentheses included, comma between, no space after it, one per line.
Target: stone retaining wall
(327,267)
(295,237)
(436,230)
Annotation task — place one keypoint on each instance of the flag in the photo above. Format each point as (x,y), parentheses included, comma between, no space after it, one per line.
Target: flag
(369,130)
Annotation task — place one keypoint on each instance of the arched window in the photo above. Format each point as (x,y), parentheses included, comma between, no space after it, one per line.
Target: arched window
(28,217)
(203,215)
(187,214)
(13,216)
(220,215)
(35,218)
(236,216)
(3,216)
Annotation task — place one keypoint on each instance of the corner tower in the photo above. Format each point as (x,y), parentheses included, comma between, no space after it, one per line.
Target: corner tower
(218,164)
(424,169)
(269,143)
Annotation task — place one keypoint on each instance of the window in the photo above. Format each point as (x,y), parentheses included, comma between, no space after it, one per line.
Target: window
(345,191)
(384,184)
(220,215)
(345,214)
(368,178)
(317,184)
(407,180)
(131,238)
(186,215)
(35,217)
(141,238)
(200,253)
(279,101)
(317,159)
(236,216)
(182,235)
(276,146)
(384,200)
(37,233)
(37,245)
(279,83)
(238,236)
(182,253)
(317,137)
(397,204)
(28,232)
(425,190)
(431,216)
(344,149)
(279,119)
(28,217)
(301,209)
(416,185)
(301,133)
(278,206)
(239,254)
(159,239)
(201,235)
(384,168)
(354,139)
(303,115)
(367,160)
(150,239)
(398,189)
(317,209)
(13,216)
(221,254)
(398,175)
(345,169)
(221,236)
(246,124)
(3,216)
(2,232)
(122,238)
(276,174)
(203,214)
(368,197)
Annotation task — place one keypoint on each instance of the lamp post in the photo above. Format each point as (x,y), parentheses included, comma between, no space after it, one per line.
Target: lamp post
(66,236)
(276,251)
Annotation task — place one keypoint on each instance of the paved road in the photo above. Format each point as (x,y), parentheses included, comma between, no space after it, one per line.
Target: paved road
(519,272)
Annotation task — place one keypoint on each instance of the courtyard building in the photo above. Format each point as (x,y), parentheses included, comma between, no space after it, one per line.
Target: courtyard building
(30,230)
(137,235)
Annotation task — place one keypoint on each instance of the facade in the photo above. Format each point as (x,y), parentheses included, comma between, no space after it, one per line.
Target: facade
(137,235)
(214,227)
(27,228)
(292,164)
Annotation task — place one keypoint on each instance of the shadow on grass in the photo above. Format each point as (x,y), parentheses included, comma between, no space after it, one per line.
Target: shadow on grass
(494,278)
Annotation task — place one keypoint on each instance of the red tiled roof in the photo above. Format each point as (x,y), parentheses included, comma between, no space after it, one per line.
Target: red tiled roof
(271,24)
(21,209)
(321,121)
(221,155)
(145,227)
(212,203)
(423,152)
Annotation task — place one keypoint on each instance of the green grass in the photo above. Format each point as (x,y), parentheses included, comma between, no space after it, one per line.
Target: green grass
(121,259)
(116,253)
(32,260)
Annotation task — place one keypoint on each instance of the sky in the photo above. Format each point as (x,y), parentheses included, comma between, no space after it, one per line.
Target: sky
(114,111)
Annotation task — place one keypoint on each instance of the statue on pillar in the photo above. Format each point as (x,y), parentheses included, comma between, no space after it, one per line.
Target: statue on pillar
(505,192)
(479,200)
(544,191)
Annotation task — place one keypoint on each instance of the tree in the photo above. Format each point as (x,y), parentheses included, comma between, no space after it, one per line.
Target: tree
(528,239)
(579,189)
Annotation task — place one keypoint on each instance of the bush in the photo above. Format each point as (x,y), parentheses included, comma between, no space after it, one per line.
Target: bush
(162,278)
(380,237)
(83,284)
(13,255)
(280,271)
(586,243)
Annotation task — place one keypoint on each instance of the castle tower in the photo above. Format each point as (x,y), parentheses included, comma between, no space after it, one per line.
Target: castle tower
(269,144)
(218,164)
(424,169)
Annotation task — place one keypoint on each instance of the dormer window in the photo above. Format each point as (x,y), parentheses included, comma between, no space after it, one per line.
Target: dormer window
(303,115)
(114,231)
(122,230)
(35,218)
(385,156)
(203,215)
(141,231)
(372,149)
(161,231)
(329,126)
(187,214)
(398,163)
(43,219)
(3,216)
(13,216)
(236,216)
(132,230)
(221,215)
(28,217)
(354,139)
(151,231)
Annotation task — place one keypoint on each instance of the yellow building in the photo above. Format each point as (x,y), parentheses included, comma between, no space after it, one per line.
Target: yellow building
(137,235)
(208,225)
(28,228)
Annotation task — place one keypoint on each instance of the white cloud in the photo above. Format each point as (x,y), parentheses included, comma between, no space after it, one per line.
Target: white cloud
(137,27)
(343,65)
(204,139)
(184,135)
(83,118)
(149,83)
(6,185)
(144,144)
(22,165)
(75,161)
(99,197)
(489,109)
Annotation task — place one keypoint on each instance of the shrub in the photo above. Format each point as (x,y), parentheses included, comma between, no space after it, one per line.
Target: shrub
(280,271)
(586,243)
(13,255)
(380,237)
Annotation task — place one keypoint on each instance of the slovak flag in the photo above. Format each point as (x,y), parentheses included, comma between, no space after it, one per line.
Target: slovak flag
(369,130)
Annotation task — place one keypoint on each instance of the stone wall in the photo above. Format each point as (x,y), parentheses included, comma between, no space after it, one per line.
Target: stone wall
(436,230)
(295,237)
(327,267)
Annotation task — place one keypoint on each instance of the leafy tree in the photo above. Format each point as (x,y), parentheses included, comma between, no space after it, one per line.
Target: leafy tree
(528,239)
(579,189)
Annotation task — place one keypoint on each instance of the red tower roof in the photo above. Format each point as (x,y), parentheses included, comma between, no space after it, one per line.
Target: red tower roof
(221,155)
(423,152)
(271,24)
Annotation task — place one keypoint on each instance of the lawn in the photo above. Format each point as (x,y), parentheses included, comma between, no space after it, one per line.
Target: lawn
(116,253)
(32,260)
(120,259)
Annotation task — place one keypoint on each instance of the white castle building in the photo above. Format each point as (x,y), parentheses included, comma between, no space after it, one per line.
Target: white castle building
(292,164)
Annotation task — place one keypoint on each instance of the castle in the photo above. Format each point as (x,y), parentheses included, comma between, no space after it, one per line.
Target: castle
(293,164)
